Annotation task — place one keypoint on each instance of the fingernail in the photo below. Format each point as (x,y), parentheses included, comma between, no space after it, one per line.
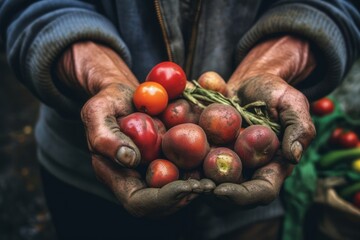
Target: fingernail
(126,156)
(296,150)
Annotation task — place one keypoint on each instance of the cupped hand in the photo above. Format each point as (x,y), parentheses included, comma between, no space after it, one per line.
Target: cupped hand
(141,201)
(263,187)
(286,106)
(269,73)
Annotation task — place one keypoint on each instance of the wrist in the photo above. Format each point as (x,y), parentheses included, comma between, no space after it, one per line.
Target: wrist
(87,67)
(287,57)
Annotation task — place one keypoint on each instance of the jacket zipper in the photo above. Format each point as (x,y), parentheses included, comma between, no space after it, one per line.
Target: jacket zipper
(163,30)
(192,43)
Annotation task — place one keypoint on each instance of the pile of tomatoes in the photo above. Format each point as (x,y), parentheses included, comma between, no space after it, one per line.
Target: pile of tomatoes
(341,152)
(178,139)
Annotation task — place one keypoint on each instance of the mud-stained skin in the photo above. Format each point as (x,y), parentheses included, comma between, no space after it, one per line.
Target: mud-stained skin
(285,105)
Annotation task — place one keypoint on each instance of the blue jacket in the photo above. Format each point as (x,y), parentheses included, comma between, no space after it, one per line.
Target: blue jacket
(199,35)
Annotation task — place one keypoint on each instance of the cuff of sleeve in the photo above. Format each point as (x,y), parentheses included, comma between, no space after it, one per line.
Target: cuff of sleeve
(53,39)
(319,29)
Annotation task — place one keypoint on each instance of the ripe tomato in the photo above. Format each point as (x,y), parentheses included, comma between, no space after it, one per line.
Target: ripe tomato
(322,107)
(171,76)
(150,98)
(334,137)
(144,132)
(348,139)
(161,172)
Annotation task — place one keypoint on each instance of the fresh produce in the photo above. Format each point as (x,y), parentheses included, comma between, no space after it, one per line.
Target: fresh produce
(213,81)
(334,137)
(171,76)
(222,165)
(221,123)
(185,145)
(254,113)
(348,139)
(180,111)
(161,172)
(150,98)
(322,107)
(144,132)
(334,157)
(183,123)
(256,145)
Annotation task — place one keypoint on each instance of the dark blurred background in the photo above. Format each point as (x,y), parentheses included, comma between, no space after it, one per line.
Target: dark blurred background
(23,212)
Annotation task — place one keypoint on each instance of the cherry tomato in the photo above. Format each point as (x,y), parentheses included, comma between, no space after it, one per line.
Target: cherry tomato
(171,76)
(335,135)
(322,107)
(348,139)
(150,98)
(161,172)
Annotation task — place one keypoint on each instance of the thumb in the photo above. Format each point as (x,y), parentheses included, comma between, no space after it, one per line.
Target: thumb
(103,133)
(299,129)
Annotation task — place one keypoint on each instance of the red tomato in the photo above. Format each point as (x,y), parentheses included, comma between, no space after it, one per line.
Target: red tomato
(145,133)
(348,139)
(171,76)
(356,200)
(150,98)
(322,107)
(161,172)
(335,135)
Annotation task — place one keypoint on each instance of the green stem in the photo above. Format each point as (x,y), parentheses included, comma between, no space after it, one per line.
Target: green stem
(199,94)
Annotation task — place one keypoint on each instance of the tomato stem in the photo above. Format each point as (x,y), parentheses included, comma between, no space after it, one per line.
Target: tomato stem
(259,116)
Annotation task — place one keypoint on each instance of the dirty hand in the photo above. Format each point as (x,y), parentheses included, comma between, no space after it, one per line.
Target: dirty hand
(269,73)
(106,85)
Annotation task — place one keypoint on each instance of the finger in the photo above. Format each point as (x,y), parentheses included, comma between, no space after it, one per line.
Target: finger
(123,182)
(207,185)
(262,189)
(103,133)
(299,128)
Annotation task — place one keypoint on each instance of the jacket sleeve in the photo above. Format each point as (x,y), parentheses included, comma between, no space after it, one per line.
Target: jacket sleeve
(332,27)
(37,32)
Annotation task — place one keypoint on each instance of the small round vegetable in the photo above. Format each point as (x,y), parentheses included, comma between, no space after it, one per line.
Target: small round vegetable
(144,132)
(222,165)
(161,172)
(221,123)
(348,139)
(180,111)
(334,137)
(171,76)
(150,98)
(185,145)
(256,145)
(213,81)
(322,107)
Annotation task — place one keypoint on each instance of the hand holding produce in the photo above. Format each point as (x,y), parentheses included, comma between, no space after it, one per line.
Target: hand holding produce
(141,201)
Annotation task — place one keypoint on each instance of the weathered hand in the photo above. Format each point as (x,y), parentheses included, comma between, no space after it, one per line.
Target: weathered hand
(141,201)
(267,74)
(263,187)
